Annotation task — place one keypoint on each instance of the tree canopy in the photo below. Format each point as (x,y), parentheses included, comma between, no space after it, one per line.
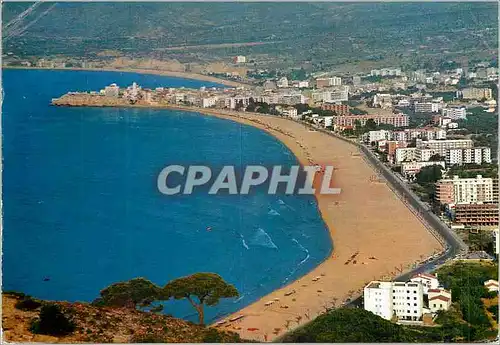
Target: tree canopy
(129,294)
(208,288)
(346,325)
(429,174)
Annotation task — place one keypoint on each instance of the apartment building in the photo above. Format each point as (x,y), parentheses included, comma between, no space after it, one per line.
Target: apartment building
(427,133)
(410,169)
(441,146)
(476,214)
(386,72)
(208,102)
(290,112)
(454,113)
(466,190)
(396,120)
(424,154)
(399,299)
(427,107)
(391,146)
(339,109)
(327,82)
(405,154)
(476,155)
(372,136)
(475,93)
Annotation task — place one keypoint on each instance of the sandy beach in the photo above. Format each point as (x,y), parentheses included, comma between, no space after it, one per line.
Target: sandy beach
(375,235)
(184,75)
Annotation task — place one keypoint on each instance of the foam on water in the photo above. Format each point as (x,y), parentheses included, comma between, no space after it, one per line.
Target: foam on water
(273,212)
(262,238)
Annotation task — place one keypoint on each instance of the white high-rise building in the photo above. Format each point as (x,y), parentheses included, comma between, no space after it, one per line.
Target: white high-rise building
(465,190)
(441,146)
(476,155)
(454,113)
(378,135)
(405,154)
(388,299)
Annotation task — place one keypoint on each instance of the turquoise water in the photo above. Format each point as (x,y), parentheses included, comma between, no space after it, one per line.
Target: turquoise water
(81,206)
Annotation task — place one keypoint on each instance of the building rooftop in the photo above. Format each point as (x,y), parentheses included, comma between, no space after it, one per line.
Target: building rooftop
(440,297)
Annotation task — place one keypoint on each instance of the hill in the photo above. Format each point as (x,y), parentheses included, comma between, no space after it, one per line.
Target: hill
(272,34)
(103,325)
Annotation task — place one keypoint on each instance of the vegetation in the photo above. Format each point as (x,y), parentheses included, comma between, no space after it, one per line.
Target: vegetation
(348,326)
(479,121)
(129,294)
(465,280)
(494,310)
(291,34)
(52,321)
(429,175)
(481,241)
(472,170)
(88,323)
(28,303)
(208,288)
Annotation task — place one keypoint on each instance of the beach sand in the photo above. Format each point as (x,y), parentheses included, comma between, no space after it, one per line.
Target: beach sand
(375,235)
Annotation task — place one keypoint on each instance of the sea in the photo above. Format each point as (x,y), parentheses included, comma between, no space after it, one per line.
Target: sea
(81,208)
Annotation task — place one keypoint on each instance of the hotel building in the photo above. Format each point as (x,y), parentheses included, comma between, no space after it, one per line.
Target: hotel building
(397,120)
(441,146)
(466,190)
(476,214)
(399,299)
(339,109)
(476,155)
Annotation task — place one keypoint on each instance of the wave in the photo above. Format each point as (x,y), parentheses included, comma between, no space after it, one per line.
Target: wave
(262,238)
(244,242)
(273,212)
(304,249)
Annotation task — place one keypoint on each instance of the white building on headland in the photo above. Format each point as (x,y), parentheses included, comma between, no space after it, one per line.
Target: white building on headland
(112,90)
(395,299)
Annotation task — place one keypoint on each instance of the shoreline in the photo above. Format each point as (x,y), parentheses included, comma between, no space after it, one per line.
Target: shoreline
(385,222)
(164,73)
